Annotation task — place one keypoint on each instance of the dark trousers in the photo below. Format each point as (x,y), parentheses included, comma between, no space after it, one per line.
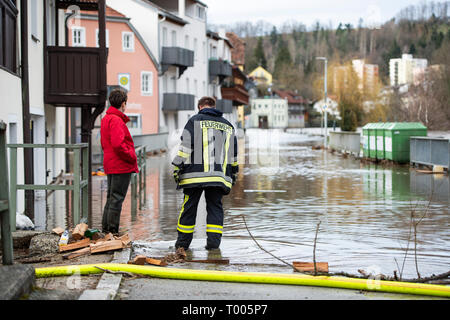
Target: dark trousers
(188,214)
(117,190)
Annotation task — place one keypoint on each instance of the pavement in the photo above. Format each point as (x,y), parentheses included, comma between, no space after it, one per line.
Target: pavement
(16,281)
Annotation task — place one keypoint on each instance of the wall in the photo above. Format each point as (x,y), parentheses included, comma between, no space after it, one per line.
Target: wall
(345,142)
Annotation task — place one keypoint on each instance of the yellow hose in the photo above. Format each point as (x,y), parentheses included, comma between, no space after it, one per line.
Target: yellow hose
(267,278)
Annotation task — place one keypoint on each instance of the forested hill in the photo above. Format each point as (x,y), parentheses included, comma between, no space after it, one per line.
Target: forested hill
(289,53)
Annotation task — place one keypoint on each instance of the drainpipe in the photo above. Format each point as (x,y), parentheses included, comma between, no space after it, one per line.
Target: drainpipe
(160,74)
(28,153)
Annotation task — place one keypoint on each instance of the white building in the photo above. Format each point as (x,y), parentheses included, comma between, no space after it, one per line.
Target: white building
(47,124)
(219,60)
(269,113)
(402,70)
(368,74)
(176,31)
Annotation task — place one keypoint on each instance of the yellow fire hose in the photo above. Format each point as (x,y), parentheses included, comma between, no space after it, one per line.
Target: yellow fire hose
(252,277)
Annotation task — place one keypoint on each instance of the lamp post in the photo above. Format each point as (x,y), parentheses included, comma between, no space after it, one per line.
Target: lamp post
(325,94)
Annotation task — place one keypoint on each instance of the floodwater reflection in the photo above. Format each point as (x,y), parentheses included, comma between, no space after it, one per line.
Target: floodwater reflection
(364,210)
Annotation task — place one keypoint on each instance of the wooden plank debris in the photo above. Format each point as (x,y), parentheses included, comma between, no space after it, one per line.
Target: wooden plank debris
(78,253)
(109,237)
(59,231)
(125,239)
(139,260)
(106,246)
(76,245)
(309,266)
(156,262)
(78,232)
(213,261)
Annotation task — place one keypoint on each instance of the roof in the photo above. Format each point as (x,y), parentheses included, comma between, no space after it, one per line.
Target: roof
(216,36)
(199,2)
(238,51)
(291,96)
(110,12)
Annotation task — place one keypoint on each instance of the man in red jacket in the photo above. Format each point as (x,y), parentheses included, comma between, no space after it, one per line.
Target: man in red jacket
(119,158)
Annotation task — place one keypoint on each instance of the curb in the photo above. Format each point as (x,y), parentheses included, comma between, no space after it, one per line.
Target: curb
(109,284)
(16,281)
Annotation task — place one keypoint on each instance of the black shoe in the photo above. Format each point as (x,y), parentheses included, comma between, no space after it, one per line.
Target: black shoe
(211,248)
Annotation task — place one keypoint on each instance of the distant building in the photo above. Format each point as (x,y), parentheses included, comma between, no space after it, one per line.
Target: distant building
(368,74)
(261,76)
(296,108)
(269,113)
(402,70)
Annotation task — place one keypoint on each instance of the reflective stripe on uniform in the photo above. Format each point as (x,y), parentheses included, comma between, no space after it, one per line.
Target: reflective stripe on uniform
(182,228)
(205,149)
(183,154)
(225,160)
(205,180)
(214,228)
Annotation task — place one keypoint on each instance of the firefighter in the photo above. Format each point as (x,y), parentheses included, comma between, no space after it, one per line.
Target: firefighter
(206,162)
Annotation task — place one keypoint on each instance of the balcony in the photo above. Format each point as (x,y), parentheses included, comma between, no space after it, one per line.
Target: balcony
(226,106)
(237,94)
(219,68)
(178,102)
(74,76)
(178,57)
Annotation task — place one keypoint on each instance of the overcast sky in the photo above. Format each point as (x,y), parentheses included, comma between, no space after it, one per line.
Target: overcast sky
(307,12)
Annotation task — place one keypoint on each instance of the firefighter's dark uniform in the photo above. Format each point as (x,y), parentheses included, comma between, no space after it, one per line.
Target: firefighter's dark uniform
(206,161)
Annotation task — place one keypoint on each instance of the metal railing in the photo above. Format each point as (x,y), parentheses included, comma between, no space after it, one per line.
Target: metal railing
(138,183)
(346,142)
(80,179)
(7,242)
(430,151)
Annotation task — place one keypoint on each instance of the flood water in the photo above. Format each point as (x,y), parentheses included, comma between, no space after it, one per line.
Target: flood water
(285,188)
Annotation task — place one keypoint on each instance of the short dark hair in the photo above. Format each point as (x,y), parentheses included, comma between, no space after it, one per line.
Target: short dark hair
(117,97)
(207,101)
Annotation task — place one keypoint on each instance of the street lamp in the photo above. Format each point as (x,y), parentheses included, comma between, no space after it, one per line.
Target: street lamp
(325,93)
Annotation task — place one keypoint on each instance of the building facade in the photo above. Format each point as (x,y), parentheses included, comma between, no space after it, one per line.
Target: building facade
(131,65)
(402,70)
(296,107)
(269,113)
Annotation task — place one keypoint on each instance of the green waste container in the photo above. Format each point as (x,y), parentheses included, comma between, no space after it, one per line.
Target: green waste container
(397,136)
(373,140)
(365,131)
(380,139)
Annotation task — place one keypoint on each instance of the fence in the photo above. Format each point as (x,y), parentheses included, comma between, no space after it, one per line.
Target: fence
(80,179)
(346,142)
(138,183)
(430,151)
(7,242)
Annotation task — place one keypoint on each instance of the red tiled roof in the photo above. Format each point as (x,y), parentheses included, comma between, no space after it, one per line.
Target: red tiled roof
(292,97)
(238,50)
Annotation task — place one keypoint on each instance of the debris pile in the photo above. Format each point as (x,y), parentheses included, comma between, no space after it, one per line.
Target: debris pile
(83,241)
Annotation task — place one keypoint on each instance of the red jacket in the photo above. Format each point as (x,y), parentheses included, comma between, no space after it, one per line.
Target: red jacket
(118,146)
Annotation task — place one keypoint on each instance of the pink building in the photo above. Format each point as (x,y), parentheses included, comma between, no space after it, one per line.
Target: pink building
(131,65)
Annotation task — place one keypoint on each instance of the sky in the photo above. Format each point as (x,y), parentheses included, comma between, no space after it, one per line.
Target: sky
(307,12)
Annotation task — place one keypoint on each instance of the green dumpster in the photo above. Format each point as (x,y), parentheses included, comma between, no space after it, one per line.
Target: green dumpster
(380,132)
(397,136)
(365,131)
(373,140)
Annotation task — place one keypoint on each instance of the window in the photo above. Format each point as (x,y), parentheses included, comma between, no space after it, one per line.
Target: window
(174,38)
(204,51)
(78,37)
(186,42)
(196,87)
(200,12)
(97,39)
(8,35)
(195,48)
(164,37)
(128,41)
(213,51)
(146,83)
(188,86)
(135,121)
